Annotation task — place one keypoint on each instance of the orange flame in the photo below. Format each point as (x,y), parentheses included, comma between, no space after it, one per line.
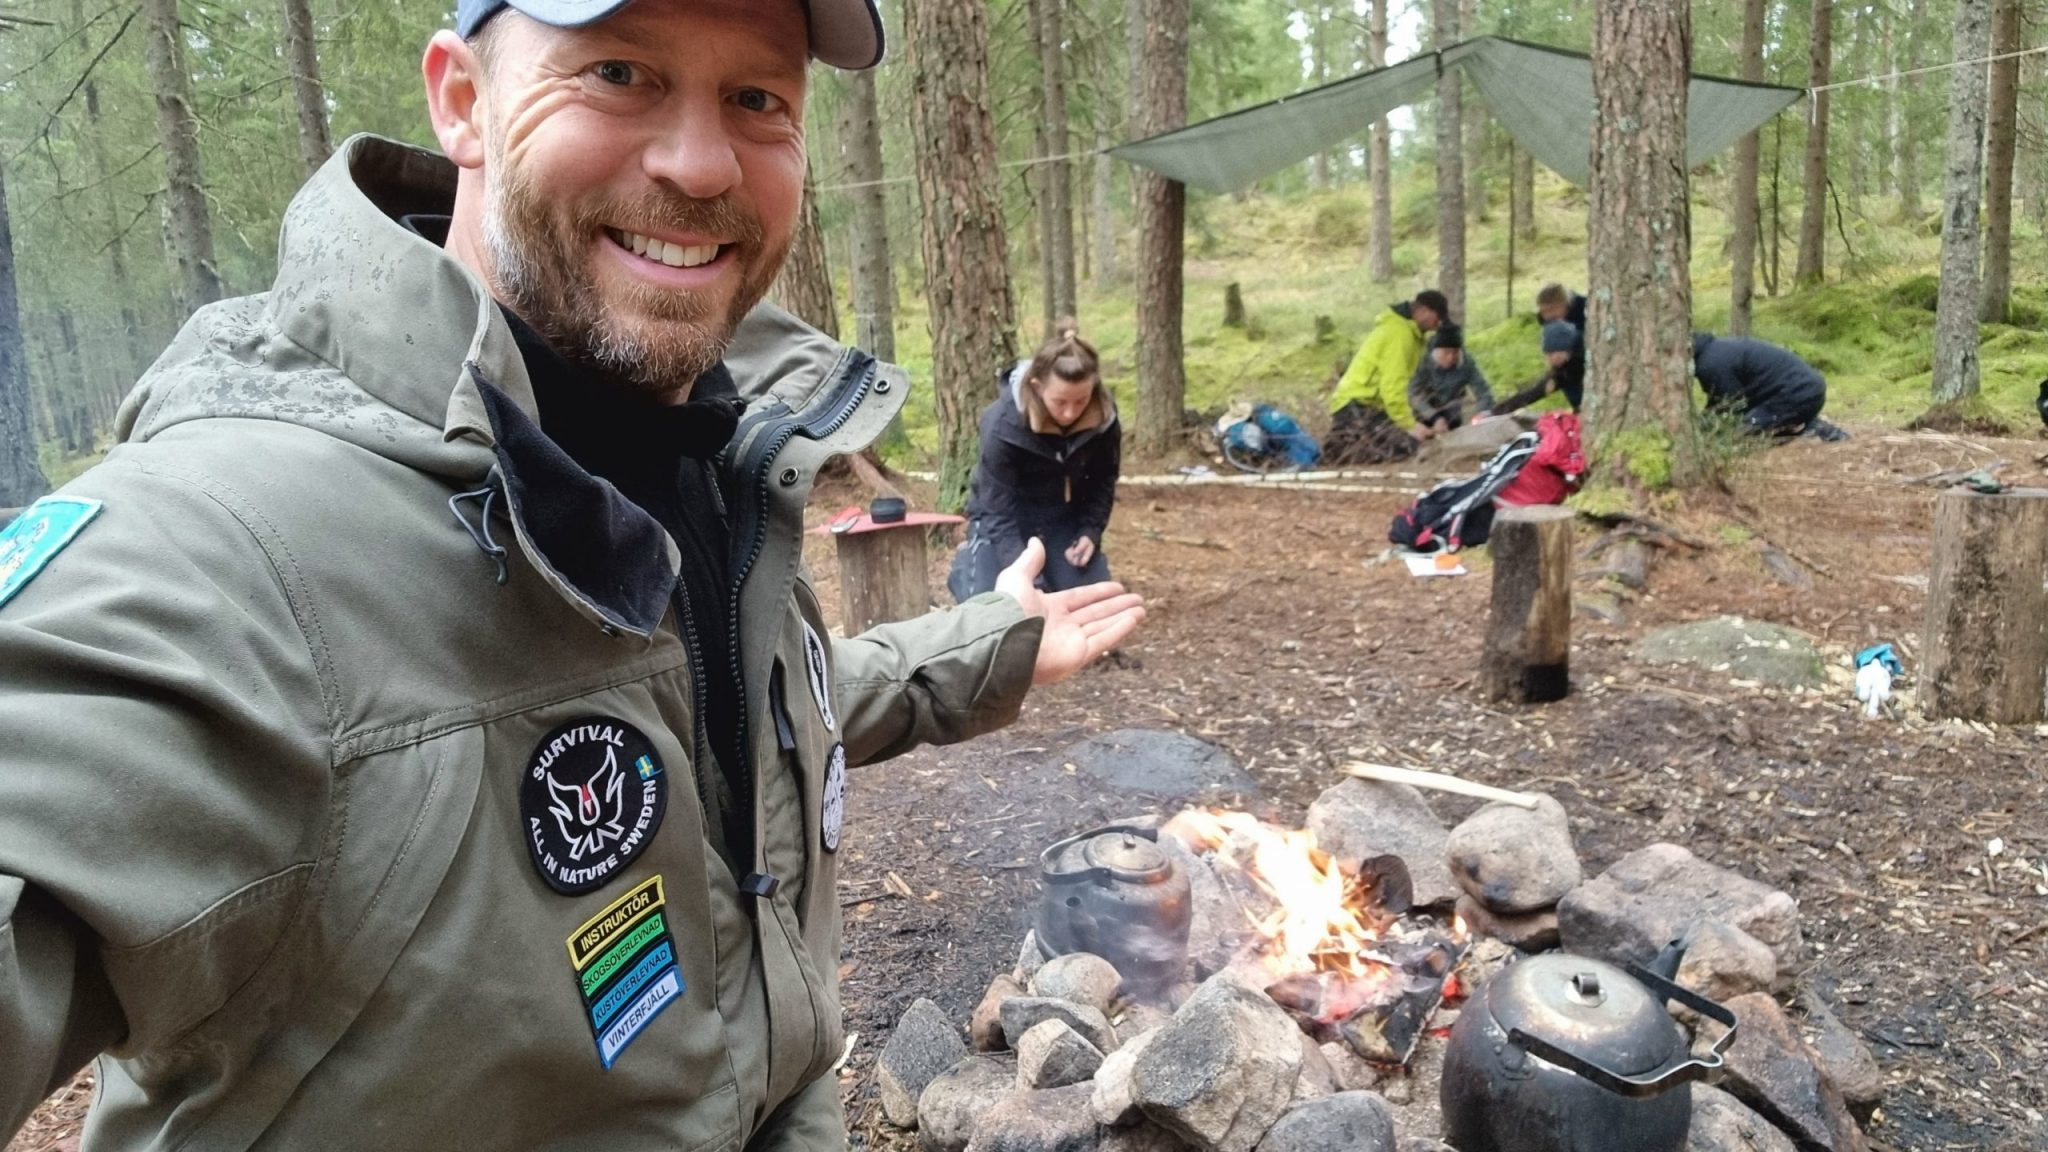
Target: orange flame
(1319,922)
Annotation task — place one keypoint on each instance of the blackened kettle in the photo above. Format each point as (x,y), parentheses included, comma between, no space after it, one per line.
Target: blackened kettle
(1114,892)
(1562,1053)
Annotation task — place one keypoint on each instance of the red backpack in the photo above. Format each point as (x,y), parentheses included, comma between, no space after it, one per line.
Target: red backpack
(1554,471)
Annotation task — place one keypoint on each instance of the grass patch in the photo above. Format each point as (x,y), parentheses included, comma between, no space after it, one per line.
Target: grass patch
(1302,257)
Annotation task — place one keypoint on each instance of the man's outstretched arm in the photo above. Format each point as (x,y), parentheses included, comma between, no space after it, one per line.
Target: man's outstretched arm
(951,676)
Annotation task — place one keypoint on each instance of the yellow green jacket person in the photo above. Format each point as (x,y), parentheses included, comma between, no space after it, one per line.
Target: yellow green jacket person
(1378,375)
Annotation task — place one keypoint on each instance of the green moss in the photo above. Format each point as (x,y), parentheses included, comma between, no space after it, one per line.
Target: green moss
(1736,534)
(1301,256)
(1644,452)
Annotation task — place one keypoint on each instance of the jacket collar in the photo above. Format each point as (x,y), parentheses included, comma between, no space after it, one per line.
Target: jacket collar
(342,257)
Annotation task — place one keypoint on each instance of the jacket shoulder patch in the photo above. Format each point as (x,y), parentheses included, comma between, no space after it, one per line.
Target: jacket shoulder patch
(42,530)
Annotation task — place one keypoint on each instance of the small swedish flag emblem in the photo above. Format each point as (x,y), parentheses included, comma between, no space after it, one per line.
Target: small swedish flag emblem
(648,769)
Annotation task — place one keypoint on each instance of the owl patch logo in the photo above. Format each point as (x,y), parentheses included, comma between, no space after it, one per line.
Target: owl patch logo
(591,799)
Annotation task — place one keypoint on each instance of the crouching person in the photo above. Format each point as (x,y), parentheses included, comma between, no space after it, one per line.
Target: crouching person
(1441,382)
(1050,453)
(1776,392)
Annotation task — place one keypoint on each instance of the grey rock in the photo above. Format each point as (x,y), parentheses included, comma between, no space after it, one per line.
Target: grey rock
(1359,819)
(1140,1138)
(1078,978)
(1425,1144)
(1662,893)
(923,1045)
(1484,960)
(1115,1100)
(1318,1079)
(1055,1120)
(1223,1071)
(1137,1018)
(1030,958)
(1159,763)
(1515,861)
(1722,963)
(1720,1123)
(1053,1055)
(1743,649)
(1847,1060)
(1770,1069)
(985,1030)
(1470,445)
(1534,932)
(1351,1121)
(1354,1073)
(954,1102)
(1020,1014)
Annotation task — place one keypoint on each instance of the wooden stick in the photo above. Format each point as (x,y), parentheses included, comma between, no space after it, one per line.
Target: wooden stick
(1387,773)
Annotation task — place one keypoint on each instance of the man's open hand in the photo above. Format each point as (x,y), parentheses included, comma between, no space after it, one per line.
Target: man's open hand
(1080,624)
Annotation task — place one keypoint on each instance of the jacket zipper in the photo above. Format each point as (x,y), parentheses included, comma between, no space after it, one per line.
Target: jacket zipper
(700,697)
(851,388)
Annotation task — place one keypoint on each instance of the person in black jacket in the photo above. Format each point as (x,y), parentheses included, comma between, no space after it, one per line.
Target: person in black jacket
(1777,393)
(1564,351)
(1050,453)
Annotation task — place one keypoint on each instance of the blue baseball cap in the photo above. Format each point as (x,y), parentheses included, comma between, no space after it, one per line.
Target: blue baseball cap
(844,33)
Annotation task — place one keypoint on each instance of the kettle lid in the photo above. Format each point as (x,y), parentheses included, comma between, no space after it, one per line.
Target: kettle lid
(1587,1006)
(1126,853)
(1127,856)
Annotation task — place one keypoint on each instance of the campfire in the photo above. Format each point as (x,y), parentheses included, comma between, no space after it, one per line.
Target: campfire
(1340,946)
(1218,983)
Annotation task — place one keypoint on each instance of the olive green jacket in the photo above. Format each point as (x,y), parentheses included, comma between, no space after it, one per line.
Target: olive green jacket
(267,723)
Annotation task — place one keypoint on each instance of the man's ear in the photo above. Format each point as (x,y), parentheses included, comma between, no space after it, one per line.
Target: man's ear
(454,97)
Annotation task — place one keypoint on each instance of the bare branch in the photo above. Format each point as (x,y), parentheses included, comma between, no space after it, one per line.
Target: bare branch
(51,120)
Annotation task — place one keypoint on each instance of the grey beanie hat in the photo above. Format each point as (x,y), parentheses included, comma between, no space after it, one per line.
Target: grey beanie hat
(1559,336)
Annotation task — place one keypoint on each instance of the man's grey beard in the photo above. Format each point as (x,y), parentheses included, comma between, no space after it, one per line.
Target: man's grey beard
(540,269)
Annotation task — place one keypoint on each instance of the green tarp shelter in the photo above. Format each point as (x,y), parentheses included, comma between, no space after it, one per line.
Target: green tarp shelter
(1542,96)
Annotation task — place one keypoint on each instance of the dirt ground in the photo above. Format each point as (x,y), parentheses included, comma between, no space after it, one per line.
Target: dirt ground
(1279,633)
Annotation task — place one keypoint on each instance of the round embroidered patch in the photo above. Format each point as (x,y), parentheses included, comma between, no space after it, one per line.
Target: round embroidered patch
(591,800)
(834,809)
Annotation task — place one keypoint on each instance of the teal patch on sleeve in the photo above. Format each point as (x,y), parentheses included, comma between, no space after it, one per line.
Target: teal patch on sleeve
(39,533)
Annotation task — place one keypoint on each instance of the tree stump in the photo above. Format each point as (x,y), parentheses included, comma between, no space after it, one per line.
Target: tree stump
(1233,306)
(1987,614)
(882,577)
(1529,629)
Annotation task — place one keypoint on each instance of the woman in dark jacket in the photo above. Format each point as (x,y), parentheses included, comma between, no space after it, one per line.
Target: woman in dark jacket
(1050,452)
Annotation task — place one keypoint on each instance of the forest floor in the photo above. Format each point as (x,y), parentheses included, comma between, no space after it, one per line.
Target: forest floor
(1278,632)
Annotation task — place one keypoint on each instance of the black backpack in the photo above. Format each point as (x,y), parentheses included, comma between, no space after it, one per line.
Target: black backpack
(1459,513)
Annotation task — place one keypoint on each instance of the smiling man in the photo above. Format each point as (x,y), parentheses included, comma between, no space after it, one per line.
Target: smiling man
(419,732)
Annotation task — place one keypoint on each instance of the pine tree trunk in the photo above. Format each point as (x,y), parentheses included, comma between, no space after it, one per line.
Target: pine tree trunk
(2000,145)
(136,348)
(21,477)
(1058,170)
(1853,99)
(1103,183)
(188,229)
(1955,315)
(967,278)
(874,275)
(1907,175)
(1813,218)
(1524,192)
(804,286)
(1450,167)
(1380,260)
(1474,123)
(1639,327)
(1163,106)
(2034,138)
(1744,214)
(315,145)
